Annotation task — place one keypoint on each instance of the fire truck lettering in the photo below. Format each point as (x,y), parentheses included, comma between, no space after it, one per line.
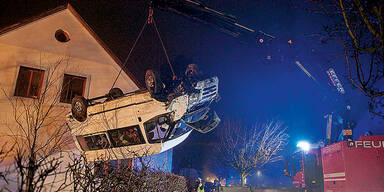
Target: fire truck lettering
(377,146)
(367,144)
(357,143)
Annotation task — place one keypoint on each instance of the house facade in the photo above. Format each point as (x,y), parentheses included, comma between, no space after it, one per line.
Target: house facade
(58,38)
(56,49)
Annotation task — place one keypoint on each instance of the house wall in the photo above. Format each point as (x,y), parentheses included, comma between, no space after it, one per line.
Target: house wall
(100,76)
(34,45)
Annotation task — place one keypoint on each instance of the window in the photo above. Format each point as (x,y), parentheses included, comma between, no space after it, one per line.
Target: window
(179,129)
(157,128)
(29,82)
(119,164)
(125,163)
(72,85)
(113,138)
(94,142)
(126,136)
(62,36)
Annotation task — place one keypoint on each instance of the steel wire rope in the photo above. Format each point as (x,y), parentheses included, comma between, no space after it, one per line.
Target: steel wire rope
(164,49)
(130,52)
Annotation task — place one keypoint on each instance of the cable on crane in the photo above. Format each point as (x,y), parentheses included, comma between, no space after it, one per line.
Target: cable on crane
(130,52)
(150,20)
(174,77)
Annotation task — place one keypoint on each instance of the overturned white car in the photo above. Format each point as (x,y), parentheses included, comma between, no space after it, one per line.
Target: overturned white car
(147,122)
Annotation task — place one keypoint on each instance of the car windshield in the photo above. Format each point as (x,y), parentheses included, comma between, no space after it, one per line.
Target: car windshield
(179,130)
(113,138)
(157,128)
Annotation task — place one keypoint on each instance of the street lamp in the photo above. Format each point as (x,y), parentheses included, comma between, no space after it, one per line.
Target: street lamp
(304,145)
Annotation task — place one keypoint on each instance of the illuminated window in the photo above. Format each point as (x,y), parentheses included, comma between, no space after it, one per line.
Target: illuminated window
(72,86)
(29,82)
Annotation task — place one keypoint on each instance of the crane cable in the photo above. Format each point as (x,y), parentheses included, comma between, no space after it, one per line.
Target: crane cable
(130,52)
(150,20)
(174,77)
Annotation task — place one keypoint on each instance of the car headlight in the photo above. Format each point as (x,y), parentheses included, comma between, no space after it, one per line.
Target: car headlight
(193,98)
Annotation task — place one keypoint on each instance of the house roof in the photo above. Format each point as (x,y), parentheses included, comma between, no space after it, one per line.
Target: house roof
(28,20)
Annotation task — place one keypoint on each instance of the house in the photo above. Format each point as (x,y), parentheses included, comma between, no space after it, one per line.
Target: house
(56,49)
(28,48)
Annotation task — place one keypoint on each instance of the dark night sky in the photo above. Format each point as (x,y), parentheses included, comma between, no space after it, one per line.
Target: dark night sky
(257,81)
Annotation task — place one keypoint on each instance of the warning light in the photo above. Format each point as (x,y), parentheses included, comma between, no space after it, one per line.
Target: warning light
(290,41)
(261,40)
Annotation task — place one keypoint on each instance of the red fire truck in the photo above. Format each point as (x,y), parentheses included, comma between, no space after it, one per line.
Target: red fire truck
(345,166)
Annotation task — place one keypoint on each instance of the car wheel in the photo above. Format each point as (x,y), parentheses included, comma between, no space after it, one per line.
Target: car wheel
(153,82)
(79,108)
(115,93)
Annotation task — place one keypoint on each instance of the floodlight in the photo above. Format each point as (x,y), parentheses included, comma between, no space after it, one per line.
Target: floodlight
(304,145)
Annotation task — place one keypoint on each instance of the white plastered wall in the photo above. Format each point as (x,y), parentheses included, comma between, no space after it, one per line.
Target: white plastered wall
(34,45)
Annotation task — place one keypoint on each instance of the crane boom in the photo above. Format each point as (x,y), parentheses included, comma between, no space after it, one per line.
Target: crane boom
(199,12)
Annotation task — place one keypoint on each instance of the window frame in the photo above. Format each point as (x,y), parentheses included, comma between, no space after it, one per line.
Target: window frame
(155,120)
(83,142)
(63,87)
(85,145)
(115,144)
(32,70)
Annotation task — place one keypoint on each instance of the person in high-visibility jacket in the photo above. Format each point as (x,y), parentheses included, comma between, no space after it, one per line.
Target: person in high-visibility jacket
(200,188)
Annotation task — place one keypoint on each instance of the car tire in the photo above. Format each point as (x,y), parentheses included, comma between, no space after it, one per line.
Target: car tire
(115,93)
(79,108)
(153,82)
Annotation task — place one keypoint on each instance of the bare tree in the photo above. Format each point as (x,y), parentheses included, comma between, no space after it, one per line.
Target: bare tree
(4,171)
(38,131)
(88,176)
(359,26)
(246,149)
